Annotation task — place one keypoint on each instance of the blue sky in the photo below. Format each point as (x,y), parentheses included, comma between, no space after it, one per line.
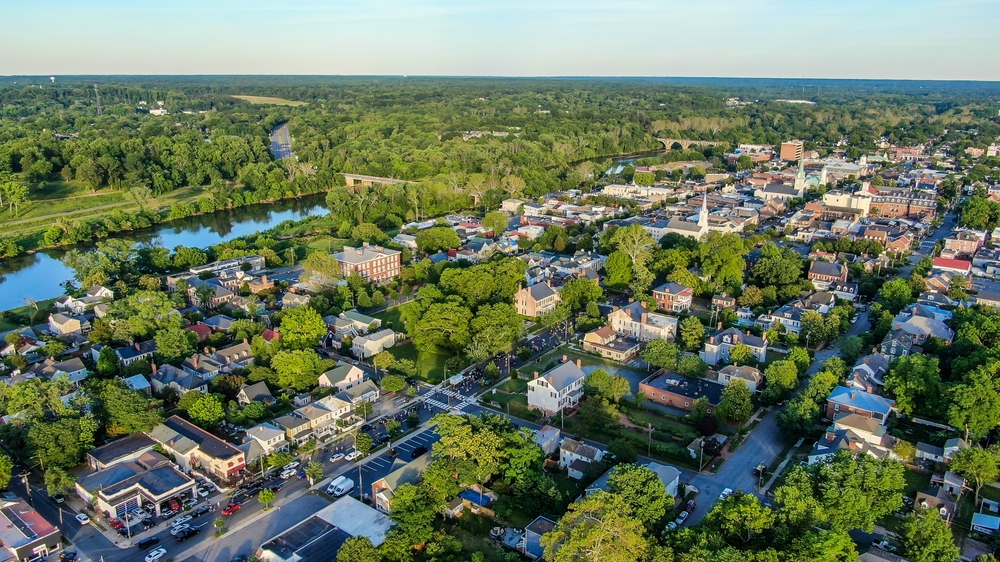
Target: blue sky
(918,39)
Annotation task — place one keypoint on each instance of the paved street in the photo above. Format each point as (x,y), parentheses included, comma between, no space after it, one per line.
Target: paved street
(281,143)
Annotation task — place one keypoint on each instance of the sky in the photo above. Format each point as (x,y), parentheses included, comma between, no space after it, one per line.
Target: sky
(893,39)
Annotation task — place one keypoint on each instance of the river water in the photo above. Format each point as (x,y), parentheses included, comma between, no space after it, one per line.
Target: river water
(41,275)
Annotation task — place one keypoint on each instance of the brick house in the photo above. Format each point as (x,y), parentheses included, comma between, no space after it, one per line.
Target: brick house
(677,391)
(673,297)
(374,263)
(822,273)
(536,300)
(845,400)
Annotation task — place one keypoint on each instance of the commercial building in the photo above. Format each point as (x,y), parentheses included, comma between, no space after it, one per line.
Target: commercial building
(195,448)
(677,391)
(791,150)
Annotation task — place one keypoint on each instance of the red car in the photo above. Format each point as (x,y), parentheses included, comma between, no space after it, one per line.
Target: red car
(231,508)
(116,523)
(690,506)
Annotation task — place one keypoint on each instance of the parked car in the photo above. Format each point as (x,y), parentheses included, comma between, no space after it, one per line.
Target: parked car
(82,518)
(140,513)
(203,492)
(690,506)
(147,542)
(418,451)
(382,438)
(179,528)
(155,555)
(186,534)
(288,473)
(231,508)
(300,475)
(181,520)
(67,556)
(681,518)
(116,523)
(725,494)
(59,498)
(148,523)
(337,457)
(670,527)
(201,511)
(353,455)
(293,464)
(190,502)
(167,513)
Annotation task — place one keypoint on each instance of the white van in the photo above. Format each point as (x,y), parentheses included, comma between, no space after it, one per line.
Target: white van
(342,485)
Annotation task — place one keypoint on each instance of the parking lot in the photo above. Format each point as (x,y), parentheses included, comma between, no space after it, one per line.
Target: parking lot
(381,465)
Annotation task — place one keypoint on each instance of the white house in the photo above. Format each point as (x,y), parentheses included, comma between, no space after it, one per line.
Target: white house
(576,457)
(342,376)
(367,346)
(270,438)
(560,387)
(636,321)
(718,346)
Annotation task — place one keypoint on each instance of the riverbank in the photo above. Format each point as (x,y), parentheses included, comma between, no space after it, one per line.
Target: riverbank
(33,234)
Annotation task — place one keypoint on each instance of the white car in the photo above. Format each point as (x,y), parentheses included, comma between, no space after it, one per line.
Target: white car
(82,518)
(725,493)
(287,473)
(178,528)
(181,520)
(203,492)
(156,554)
(353,455)
(681,518)
(140,513)
(337,457)
(291,465)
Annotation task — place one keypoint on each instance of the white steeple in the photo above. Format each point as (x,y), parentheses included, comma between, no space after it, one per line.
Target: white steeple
(800,178)
(703,215)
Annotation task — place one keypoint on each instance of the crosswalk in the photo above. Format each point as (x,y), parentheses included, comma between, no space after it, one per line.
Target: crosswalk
(458,402)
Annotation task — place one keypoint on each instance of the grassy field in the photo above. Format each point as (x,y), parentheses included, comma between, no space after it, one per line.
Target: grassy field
(261,100)
(46,207)
(430,366)
(26,311)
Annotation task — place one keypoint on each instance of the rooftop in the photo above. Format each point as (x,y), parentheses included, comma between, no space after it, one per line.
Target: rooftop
(688,387)
(208,443)
(121,448)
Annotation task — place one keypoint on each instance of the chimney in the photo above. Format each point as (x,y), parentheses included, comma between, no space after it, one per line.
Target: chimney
(565,358)
(643,305)
(244,340)
(137,347)
(549,378)
(153,366)
(736,338)
(364,244)
(644,317)
(195,361)
(535,375)
(631,300)
(854,394)
(720,325)
(579,363)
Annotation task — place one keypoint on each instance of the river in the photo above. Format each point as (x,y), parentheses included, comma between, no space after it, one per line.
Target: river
(40,276)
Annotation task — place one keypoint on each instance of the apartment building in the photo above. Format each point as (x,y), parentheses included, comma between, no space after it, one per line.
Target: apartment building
(374,263)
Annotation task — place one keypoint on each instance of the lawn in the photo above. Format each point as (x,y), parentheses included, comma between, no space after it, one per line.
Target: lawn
(390,318)
(515,405)
(430,365)
(7,324)
(41,208)
(261,100)
(915,481)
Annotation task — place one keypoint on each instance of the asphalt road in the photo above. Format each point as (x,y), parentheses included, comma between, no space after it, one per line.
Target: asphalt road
(281,143)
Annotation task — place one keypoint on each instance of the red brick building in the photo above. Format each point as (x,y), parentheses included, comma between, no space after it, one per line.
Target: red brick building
(374,263)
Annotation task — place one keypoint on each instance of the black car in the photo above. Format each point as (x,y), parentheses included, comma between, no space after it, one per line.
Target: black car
(147,542)
(147,523)
(381,439)
(276,486)
(418,451)
(252,491)
(68,556)
(186,534)
(411,381)
(201,511)
(366,427)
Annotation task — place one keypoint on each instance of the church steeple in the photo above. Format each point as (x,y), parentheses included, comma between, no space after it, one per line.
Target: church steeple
(703,215)
(800,178)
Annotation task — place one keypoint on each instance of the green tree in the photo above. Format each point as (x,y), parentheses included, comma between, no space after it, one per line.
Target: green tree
(62,442)
(740,517)
(736,403)
(800,356)
(741,354)
(265,497)
(661,353)
(393,383)
(58,481)
(445,325)
(6,471)
(643,491)
(692,333)
(299,369)
(579,292)
(623,451)
(314,472)
(975,403)
(279,459)
(301,328)
(752,297)
(382,360)
(782,378)
(363,443)
(613,387)
(496,222)
(414,508)
(813,328)
(124,411)
(977,465)
(896,294)
(358,549)
(598,527)
(107,362)
(437,239)
(692,366)
(927,538)
(777,266)
(207,411)
(174,344)
(322,269)
(722,258)
(914,380)
(364,409)
(618,268)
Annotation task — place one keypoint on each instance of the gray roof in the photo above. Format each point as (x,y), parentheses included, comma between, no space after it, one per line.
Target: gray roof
(355,392)
(120,448)
(207,443)
(564,375)
(258,392)
(363,254)
(821,267)
(540,291)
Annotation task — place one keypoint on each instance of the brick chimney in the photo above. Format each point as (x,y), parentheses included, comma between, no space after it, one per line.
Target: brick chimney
(549,378)
(720,325)
(534,375)
(153,366)
(244,340)
(631,300)
(579,363)
(195,361)
(565,358)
